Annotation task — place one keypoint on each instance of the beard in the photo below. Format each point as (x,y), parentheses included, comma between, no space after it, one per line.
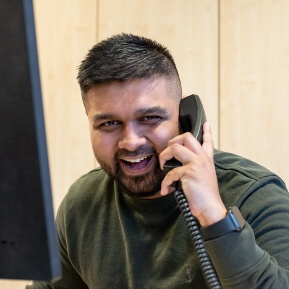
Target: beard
(146,185)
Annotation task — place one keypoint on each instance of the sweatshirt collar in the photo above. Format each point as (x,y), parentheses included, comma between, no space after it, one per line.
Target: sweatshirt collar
(157,204)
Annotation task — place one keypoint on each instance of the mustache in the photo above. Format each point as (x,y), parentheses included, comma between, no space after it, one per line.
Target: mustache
(143,150)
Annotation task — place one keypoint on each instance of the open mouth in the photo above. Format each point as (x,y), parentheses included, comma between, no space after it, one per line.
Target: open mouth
(138,163)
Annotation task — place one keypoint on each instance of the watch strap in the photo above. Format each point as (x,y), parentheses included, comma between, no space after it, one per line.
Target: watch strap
(233,221)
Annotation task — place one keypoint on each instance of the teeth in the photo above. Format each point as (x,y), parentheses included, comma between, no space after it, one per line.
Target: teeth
(137,160)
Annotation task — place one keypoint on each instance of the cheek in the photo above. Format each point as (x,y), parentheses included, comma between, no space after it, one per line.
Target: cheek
(102,147)
(164,135)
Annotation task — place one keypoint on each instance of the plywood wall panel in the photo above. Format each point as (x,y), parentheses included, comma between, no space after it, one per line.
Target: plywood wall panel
(65,31)
(254,119)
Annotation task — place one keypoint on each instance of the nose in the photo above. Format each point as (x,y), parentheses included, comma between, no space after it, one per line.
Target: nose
(131,139)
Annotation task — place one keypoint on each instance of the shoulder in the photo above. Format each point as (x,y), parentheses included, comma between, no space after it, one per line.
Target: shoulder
(239,177)
(228,163)
(87,193)
(88,183)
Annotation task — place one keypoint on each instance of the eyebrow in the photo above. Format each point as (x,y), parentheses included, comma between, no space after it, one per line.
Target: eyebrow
(150,110)
(104,116)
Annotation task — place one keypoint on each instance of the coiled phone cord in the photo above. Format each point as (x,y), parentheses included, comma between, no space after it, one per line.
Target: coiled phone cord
(204,259)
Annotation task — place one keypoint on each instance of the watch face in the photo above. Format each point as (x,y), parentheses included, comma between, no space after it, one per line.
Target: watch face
(237,218)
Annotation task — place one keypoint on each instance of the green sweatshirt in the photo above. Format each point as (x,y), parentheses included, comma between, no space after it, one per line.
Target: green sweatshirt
(110,240)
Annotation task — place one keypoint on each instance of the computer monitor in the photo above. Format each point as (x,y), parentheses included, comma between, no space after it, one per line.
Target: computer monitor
(28,243)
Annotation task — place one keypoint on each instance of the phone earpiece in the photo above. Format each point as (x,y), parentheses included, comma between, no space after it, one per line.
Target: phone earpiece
(191,119)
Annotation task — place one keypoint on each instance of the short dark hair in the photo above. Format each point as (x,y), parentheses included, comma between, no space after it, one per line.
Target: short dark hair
(123,57)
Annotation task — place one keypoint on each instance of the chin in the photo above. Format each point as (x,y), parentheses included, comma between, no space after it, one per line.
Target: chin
(145,186)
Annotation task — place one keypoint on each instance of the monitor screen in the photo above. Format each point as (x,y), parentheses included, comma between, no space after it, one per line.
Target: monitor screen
(28,243)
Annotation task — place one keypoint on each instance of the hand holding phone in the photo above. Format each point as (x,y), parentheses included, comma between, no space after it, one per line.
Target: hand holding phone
(192,118)
(196,175)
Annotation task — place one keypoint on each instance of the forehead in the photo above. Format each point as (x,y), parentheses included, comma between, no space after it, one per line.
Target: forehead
(131,94)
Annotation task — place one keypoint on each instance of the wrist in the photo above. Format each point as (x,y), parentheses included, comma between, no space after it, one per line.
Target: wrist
(233,221)
(212,216)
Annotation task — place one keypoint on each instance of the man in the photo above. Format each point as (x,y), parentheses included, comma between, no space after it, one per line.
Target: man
(119,226)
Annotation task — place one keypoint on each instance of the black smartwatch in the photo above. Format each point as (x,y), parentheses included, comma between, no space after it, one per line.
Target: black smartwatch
(233,221)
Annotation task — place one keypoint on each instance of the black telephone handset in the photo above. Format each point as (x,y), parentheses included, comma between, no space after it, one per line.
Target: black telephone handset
(191,119)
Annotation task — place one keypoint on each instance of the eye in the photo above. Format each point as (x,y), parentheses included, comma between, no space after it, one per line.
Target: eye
(109,125)
(150,119)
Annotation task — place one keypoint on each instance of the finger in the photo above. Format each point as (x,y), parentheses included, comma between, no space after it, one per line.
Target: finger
(208,143)
(171,177)
(182,138)
(186,139)
(181,153)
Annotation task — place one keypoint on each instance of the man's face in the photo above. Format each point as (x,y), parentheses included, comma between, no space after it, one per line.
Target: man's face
(130,124)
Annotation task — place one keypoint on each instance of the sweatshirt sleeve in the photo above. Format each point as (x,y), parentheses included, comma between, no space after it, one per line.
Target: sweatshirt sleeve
(258,256)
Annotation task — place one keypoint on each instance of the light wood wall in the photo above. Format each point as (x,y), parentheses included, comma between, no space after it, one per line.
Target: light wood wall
(254,81)
(233,53)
